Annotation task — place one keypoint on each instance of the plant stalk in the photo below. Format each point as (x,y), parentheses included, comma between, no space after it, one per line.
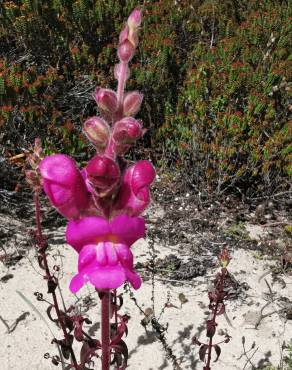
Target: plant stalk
(105,330)
(210,344)
(41,242)
(121,84)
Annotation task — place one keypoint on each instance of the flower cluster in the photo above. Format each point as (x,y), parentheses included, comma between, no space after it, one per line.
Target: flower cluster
(102,201)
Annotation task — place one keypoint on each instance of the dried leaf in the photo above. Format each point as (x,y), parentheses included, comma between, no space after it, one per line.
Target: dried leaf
(202,352)
(148,311)
(52,285)
(183,299)
(211,328)
(196,341)
(49,309)
(122,348)
(218,351)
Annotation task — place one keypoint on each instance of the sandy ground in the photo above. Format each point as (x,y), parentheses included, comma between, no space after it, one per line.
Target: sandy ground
(26,337)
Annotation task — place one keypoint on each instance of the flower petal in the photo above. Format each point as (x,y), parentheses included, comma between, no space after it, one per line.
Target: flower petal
(125,255)
(88,230)
(108,277)
(77,283)
(103,174)
(134,279)
(128,229)
(64,185)
(111,253)
(101,256)
(87,256)
(134,193)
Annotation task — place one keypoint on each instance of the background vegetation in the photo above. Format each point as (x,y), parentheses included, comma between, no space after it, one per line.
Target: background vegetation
(216,75)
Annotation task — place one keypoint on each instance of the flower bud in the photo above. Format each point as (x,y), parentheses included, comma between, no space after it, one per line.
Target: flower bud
(117,72)
(133,38)
(103,174)
(135,19)
(127,131)
(126,51)
(124,34)
(33,178)
(35,157)
(38,147)
(132,103)
(224,258)
(97,131)
(106,100)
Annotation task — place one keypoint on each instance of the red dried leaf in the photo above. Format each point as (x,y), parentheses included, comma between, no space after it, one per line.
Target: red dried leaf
(122,349)
(121,329)
(203,351)
(196,341)
(211,328)
(218,351)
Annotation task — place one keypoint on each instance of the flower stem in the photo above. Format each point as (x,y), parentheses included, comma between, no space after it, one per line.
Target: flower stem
(105,330)
(121,84)
(220,289)
(41,244)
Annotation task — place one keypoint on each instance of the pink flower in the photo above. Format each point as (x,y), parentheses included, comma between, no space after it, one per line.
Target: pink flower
(64,185)
(97,131)
(105,258)
(125,133)
(126,51)
(107,102)
(135,18)
(132,103)
(72,191)
(134,193)
(103,174)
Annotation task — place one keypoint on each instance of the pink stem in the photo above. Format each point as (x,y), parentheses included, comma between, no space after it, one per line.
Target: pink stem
(121,85)
(105,330)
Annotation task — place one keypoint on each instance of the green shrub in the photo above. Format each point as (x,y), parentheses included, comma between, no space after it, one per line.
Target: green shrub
(216,76)
(231,121)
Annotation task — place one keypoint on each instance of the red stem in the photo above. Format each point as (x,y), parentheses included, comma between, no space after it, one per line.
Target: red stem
(105,330)
(41,241)
(210,344)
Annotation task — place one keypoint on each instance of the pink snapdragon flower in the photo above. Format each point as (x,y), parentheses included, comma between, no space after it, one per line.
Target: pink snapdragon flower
(73,192)
(105,258)
(102,200)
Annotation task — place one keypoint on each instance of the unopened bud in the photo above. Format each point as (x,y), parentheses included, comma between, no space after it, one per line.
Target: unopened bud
(38,146)
(135,19)
(126,51)
(35,157)
(97,131)
(124,34)
(133,38)
(106,100)
(224,258)
(132,103)
(33,178)
(103,174)
(127,131)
